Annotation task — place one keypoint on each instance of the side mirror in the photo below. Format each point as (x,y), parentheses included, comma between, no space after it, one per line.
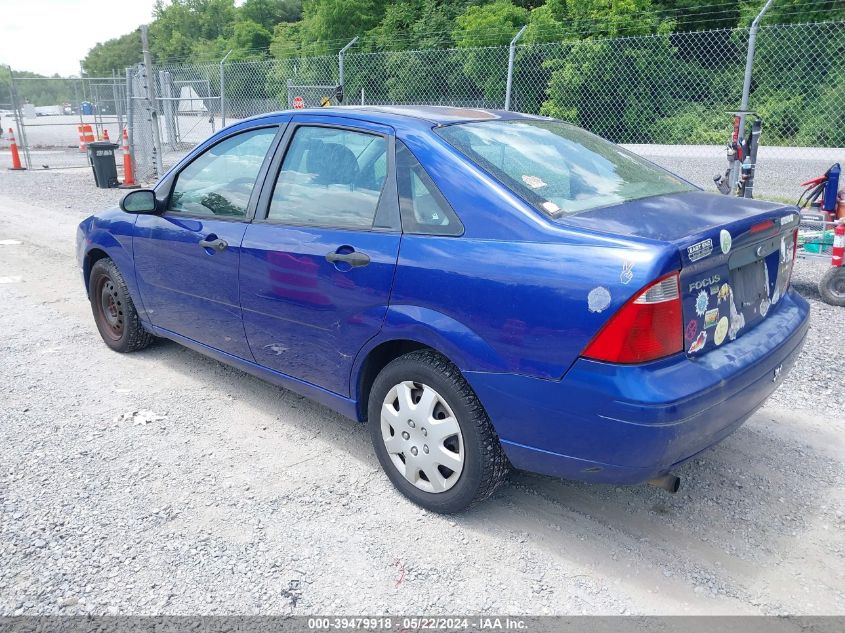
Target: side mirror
(139,201)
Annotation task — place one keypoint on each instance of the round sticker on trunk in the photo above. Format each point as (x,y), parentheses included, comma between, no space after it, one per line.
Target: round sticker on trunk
(721,331)
(725,241)
(598,299)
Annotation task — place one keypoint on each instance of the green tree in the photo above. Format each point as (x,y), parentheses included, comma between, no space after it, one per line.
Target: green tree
(605,18)
(325,23)
(790,11)
(209,50)
(36,89)
(484,31)
(115,54)
(415,25)
(269,13)
(490,24)
(178,26)
(286,38)
(693,15)
(616,88)
(250,36)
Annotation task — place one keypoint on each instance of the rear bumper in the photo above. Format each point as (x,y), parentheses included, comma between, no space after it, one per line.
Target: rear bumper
(628,423)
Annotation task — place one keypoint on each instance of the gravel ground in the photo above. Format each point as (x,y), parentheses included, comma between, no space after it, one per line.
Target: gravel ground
(165,482)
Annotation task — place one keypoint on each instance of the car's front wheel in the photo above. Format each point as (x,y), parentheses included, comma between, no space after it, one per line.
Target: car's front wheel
(431,434)
(114,313)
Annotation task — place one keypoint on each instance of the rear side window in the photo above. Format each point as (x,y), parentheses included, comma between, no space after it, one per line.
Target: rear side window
(219,182)
(330,177)
(557,167)
(424,209)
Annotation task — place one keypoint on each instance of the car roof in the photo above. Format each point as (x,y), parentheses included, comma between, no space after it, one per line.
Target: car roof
(396,114)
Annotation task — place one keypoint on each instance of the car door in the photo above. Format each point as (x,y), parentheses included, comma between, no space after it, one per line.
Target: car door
(317,263)
(187,258)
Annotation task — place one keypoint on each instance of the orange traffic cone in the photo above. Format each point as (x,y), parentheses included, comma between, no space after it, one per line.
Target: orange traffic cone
(86,135)
(16,158)
(128,176)
(106,135)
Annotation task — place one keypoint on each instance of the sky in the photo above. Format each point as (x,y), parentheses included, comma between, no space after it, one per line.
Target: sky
(52,36)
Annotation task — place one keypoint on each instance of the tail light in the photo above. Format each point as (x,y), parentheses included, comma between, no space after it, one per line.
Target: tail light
(648,327)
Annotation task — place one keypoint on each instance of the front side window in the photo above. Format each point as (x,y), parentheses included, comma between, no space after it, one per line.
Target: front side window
(219,182)
(330,177)
(557,167)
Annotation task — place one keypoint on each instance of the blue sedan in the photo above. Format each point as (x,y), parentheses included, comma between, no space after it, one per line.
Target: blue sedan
(484,289)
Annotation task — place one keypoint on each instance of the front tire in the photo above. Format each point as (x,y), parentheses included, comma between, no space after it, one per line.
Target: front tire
(114,313)
(432,436)
(832,286)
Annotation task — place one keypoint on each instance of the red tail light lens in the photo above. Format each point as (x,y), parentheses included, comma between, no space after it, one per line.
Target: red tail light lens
(648,327)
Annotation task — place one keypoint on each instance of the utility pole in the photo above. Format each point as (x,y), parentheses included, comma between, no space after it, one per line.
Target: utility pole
(223,90)
(511,57)
(340,57)
(749,64)
(151,99)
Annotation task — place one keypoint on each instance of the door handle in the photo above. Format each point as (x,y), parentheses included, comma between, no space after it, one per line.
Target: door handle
(216,244)
(356,259)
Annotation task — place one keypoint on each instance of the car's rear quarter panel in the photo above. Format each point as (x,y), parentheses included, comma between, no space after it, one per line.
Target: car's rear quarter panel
(528,302)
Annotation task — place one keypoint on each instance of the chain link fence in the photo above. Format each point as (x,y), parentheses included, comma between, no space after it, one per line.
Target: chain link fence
(668,97)
(47,112)
(140,121)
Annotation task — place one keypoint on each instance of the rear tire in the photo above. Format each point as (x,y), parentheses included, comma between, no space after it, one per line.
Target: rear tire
(832,286)
(432,436)
(114,313)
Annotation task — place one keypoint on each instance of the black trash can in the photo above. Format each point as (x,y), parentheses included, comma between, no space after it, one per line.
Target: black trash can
(101,157)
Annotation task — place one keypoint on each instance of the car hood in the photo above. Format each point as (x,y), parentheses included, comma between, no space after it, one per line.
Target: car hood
(671,217)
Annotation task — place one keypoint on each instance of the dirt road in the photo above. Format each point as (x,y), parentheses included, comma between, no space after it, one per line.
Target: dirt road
(165,482)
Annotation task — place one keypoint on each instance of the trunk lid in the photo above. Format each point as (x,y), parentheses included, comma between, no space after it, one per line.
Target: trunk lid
(736,256)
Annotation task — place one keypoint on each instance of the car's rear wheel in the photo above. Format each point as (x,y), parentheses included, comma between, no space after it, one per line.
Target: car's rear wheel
(431,434)
(114,313)
(832,286)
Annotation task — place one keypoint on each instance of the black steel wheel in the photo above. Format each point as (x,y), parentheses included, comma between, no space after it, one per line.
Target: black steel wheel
(114,313)
(110,306)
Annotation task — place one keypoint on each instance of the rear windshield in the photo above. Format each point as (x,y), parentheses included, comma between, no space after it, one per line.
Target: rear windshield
(557,167)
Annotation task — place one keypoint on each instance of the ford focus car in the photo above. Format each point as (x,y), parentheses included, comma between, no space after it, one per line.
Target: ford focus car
(484,289)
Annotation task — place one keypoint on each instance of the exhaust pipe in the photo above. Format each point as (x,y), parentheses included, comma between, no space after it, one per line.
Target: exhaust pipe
(668,482)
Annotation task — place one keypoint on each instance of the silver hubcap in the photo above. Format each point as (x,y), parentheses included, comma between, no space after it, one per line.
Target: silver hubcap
(422,436)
